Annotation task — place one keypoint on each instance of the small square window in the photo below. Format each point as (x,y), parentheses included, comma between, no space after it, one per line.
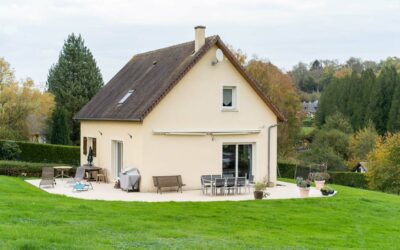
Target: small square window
(229,98)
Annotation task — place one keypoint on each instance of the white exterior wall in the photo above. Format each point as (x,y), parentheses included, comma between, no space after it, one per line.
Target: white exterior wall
(110,131)
(195,103)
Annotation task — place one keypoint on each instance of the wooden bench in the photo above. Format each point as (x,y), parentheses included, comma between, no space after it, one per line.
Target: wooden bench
(168,182)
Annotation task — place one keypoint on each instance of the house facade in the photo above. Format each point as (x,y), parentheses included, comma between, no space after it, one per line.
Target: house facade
(188,110)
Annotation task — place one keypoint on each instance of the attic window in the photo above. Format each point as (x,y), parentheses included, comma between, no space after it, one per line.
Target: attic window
(126,96)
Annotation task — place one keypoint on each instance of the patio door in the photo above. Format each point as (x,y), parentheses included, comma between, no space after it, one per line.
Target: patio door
(237,160)
(117,157)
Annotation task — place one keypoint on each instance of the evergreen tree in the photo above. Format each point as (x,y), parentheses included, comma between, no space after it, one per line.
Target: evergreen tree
(60,130)
(393,124)
(368,80)
(381,98)
(74,80)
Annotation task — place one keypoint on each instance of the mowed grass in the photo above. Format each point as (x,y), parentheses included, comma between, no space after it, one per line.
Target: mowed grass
(354,218)
(307,130)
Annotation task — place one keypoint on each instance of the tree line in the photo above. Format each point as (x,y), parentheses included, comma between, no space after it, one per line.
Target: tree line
(311,79)
(364,97)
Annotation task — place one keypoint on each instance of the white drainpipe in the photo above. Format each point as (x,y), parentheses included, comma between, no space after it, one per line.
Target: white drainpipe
(269,153)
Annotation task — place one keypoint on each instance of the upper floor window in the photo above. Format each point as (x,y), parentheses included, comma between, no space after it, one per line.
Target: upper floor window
(229,98)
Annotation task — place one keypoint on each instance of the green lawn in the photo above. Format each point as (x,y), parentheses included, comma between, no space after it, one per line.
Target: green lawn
(354,218)
(307,130)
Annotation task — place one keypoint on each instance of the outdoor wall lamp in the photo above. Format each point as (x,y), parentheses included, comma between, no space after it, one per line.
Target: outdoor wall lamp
(100,132)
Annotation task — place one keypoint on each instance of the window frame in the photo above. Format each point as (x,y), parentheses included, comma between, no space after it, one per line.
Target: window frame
(234,106)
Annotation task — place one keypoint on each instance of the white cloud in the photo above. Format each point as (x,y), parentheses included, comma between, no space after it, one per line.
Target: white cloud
(285,31)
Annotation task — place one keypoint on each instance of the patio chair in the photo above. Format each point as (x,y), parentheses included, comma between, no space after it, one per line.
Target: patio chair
(240,183)
(102,176)
(218,183)
(215,176)
(205,183)
(47,177)
(79,177)
(231,184)
(250,183)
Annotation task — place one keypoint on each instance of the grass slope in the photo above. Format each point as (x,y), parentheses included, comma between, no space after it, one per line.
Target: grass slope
(33,219)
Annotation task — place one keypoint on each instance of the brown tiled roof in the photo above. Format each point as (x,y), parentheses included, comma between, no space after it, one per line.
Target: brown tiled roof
(152,75)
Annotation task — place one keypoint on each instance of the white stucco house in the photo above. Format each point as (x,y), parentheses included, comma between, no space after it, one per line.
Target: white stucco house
(188,109)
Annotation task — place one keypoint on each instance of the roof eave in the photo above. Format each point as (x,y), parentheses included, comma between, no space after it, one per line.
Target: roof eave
(108,119)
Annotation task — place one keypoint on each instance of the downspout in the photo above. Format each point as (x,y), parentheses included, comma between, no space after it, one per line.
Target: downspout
(269,183)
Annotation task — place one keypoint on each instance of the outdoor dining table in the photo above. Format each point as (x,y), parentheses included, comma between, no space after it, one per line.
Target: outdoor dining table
(90,170)
(211,182)
(61,170)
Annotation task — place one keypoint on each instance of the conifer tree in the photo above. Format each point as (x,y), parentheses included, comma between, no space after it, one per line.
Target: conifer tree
(393,124)
(60,130)
(74,80)
(381,98)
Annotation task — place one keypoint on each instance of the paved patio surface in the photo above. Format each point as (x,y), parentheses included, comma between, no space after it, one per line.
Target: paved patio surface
(103,191)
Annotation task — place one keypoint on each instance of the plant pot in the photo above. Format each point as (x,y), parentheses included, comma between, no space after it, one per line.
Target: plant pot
(304,192)
(327,192)
(319,184)
(258,195)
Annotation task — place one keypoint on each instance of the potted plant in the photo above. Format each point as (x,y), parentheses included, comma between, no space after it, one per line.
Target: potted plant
(319,179)
(327,191)
(304,187)
(259,189)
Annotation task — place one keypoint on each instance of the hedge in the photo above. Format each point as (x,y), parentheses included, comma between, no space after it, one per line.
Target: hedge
(351,179)
(20,168)
(48,153)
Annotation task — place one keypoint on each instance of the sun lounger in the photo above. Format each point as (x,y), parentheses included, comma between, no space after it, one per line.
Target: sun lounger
(47,177)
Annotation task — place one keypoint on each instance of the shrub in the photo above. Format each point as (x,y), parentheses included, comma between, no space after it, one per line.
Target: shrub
(48,153)
(9,151)
(308,122)
(335,139)
(362,142)
(338,121)
(319,154)
(384,165)
(291,170)
(18,168)
(350,179)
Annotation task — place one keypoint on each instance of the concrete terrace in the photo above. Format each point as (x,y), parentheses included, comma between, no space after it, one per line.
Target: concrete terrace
(107,192)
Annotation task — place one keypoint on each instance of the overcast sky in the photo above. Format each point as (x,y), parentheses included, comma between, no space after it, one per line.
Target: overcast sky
(282,31)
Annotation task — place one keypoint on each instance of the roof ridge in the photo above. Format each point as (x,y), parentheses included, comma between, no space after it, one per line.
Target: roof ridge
(172,46)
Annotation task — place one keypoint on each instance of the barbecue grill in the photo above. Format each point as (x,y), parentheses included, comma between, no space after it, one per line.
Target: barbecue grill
(130,180)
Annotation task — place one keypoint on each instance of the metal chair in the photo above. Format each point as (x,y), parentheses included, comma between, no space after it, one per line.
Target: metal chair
(215,176)
(231,184)
(240,183)
(250,183)
(218,183)
(205,183)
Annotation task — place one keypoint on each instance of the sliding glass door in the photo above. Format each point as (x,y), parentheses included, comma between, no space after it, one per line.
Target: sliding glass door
(237,160)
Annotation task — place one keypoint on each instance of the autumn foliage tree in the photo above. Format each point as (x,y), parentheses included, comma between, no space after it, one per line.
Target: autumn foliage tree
(384,164)
(23,108)
(279,87)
